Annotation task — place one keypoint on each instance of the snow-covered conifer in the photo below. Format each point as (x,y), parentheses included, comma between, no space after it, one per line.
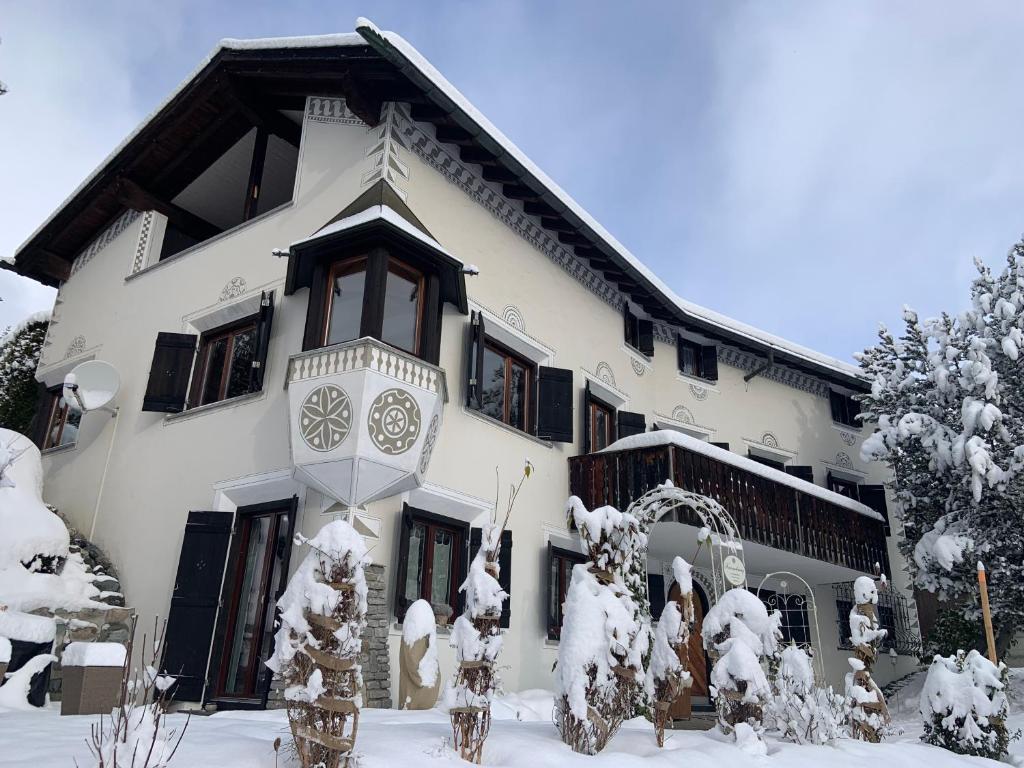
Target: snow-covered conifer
(604,638)
(19,355)
(739,633)
(964,707)
(316,648)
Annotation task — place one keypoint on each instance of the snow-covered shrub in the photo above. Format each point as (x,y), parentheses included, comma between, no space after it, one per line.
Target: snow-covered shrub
(419,672)
(19,355)
(477,638)
(802,711)
(964,707)
(869,717)
(951,632)
(667,676)
(316,648)
(739,633)
(603,639)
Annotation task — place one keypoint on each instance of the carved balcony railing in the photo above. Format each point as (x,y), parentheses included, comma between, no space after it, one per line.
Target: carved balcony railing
(363,419)
(766,512)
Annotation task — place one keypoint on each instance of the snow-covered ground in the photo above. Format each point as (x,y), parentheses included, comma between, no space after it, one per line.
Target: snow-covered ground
(43,739)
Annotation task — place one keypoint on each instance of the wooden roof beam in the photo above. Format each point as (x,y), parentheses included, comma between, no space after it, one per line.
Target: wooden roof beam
(267,118)
(498,173)
(453,134)
(472,154)
(132,195)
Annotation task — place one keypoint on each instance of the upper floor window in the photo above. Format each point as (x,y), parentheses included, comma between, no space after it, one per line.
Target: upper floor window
(773,463)
(224,363)
(843,487)
(61,420)
(699,361)
(506,391)
(601,423)
(844,408)
(639,333)
(380,300)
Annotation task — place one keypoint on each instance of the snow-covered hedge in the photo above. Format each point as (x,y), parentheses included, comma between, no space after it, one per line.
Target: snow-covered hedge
(964,707)
(802,711)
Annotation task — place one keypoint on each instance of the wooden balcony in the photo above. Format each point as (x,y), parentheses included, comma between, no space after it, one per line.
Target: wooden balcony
(766,511)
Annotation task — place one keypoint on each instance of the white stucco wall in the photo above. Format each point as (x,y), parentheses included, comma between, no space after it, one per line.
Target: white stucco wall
(162,467)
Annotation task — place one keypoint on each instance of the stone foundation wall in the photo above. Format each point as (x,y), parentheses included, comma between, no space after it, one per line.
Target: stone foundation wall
(374,656)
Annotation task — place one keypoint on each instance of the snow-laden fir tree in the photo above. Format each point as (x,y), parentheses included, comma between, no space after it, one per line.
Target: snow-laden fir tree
(948,401)
(668,675)
(804,712)
(316,648)
(963,705)
(603,638)
(476,637)
(739,634)
(869,717)
(19,354)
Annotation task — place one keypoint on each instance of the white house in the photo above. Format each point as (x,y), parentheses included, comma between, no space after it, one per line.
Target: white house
(331,287)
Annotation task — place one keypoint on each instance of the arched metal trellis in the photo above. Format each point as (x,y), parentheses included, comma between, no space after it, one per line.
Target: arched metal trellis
(723,538)
(807,601)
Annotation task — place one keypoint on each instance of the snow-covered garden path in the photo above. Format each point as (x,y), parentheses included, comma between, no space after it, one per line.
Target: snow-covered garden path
(387,738)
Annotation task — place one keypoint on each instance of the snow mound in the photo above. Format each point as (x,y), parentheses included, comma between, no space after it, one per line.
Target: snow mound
(30,529)
(94,655)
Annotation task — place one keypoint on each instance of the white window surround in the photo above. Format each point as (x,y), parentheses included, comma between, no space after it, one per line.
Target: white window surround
(694,430)
(53,375)
(856,431)
(224,312)
(604,392)
(440,500)
(199,410)
(496,328)
(846,473)
(696,381)
(514,430)
(768,451)
(636,354)
(229,495)
(557,536)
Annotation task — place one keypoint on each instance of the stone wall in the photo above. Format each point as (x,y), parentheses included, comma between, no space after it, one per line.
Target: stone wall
(374,657)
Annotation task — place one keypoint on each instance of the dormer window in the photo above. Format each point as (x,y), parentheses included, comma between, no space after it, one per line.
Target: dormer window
(639,333)
(845,409)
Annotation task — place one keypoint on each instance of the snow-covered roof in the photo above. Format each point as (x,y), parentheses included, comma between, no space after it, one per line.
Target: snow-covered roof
(377,213)
(672,437)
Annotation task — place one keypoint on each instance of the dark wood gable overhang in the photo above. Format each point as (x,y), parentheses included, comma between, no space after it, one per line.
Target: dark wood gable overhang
(240,87)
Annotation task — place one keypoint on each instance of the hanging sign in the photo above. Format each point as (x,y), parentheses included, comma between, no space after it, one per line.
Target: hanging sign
(734,571)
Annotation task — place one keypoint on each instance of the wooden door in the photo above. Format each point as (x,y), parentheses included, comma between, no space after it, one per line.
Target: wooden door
(694,659)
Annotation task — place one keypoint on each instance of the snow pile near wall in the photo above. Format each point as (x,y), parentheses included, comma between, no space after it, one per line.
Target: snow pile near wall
(964,707)
(27,528)
(93,655)
(419,622)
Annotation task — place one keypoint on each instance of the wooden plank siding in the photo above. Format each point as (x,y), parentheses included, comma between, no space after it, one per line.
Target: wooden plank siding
(766,512)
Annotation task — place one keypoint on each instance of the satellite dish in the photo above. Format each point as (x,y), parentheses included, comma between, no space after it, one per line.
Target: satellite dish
(91,385)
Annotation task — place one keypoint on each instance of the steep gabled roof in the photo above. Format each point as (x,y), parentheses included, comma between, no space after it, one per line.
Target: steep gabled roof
(248,79)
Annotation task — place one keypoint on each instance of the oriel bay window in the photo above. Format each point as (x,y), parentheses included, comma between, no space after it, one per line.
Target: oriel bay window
(226,361)
(510,388)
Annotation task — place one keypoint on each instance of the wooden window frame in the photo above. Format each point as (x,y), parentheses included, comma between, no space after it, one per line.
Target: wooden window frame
(848,409)
(833,481)
(206,340)
(554,629)
(595,404)
(377,264)
(511,357)
(698,358)
(53,408)
(458,531)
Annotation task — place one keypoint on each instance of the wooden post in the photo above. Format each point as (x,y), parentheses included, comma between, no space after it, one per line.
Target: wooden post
(986,613)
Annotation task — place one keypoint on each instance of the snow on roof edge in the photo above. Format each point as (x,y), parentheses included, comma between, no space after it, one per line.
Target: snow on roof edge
(417,60)
(672,437)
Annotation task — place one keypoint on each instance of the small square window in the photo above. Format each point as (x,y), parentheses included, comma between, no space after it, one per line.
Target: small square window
(61,420)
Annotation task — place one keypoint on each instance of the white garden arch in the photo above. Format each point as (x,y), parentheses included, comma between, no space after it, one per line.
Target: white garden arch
(805,600)
(724,541)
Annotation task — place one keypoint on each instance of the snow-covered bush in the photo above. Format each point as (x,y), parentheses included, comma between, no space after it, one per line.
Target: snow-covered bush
(316,648)
(477,638)
(739,633)
(802,711)
(869,717)
(603,639)
(19,355)
(963,705)
(667,676)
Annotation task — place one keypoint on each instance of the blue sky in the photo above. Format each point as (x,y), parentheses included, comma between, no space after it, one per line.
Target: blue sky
(804,167)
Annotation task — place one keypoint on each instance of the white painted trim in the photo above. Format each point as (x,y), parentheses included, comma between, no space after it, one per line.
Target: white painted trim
(769,452)
(525,345)
(223,312)
(199,410)
(710,386)
(605,392)
(491,420)
(694,430)
(447,501)
(855,475)
(640,357)
(230,494)
(53,375)
(857,432)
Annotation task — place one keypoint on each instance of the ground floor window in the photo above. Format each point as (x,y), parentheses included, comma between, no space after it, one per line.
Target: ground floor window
(61,420)
(793,608)
(893,617)
(432,561)
(560,564)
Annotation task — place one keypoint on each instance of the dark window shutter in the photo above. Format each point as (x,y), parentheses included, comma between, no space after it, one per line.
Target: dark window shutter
(874,497)
(193,613)
(835,400)
(41,417)
(551,610)
(586,418)
(263,323)
(474,360)
(709,363)
(723,446)
(804,473)
(630,424)
(505,576)
(554,404)
(645,336)
(169,374)
(656,594)
(629,323)
(401,566)
(680,366)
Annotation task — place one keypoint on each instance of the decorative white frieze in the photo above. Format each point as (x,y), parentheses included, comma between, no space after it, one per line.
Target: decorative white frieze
(747,362)
(514,317)
(364,419)
(322,109)
(108,236)
(385,154)
(139,260)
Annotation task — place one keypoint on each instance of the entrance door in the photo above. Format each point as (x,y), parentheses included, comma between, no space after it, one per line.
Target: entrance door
(693,656)
(255,579)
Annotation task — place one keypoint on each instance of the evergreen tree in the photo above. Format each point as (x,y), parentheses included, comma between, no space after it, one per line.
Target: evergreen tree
(19,392)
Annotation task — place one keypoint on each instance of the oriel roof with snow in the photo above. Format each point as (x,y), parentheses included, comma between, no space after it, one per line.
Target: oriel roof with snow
(243,82)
